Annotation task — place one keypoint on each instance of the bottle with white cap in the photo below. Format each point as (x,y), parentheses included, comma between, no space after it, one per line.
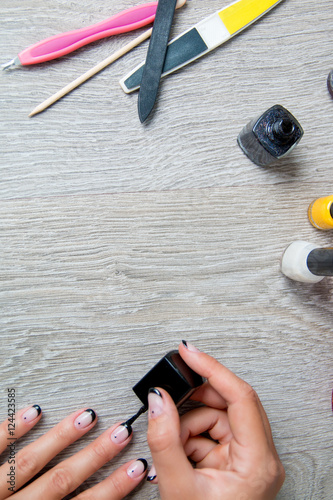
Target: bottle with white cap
(306,262)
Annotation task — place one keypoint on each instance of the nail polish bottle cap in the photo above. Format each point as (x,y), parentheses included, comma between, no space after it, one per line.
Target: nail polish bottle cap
(172,374)
(320,213)
(294,262)
(278,131)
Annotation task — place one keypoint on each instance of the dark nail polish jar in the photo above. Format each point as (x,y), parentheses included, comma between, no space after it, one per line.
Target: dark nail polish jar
(271,136)
(172,374)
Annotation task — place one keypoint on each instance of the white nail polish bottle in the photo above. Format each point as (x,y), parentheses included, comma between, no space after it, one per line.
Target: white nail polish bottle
(306,262)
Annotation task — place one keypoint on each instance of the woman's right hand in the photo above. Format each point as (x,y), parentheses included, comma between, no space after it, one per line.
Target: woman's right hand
(239,460)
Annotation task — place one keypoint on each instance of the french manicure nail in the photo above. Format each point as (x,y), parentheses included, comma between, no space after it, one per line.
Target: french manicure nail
(32,413)
(155,402)
(137,468)
(189,346)
(121,433)
(152,474)
(85,419)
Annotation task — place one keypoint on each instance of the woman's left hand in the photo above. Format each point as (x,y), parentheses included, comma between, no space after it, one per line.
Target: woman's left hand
(23,465)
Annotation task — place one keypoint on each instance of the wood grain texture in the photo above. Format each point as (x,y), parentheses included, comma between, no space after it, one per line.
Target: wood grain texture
(119,239)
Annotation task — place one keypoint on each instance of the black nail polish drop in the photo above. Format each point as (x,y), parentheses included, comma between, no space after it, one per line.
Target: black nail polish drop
(271,136)
(330,82)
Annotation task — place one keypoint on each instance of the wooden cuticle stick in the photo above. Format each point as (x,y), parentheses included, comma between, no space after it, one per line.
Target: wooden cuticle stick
(91,72)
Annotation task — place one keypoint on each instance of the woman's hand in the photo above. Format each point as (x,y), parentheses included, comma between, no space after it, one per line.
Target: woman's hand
(239,460)
(65,477)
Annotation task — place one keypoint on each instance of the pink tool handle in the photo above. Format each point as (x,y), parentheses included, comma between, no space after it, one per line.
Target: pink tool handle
(64,43)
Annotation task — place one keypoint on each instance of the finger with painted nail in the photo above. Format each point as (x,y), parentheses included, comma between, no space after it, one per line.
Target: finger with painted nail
(72,472)
(174,471)
(31,459)
(19,424)
(119,484)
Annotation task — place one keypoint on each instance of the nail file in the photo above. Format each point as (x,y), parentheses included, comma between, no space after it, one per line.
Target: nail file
(204,36)
(153,67)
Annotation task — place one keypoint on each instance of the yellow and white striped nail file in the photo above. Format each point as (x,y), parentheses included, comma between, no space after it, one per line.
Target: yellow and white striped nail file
(204,37)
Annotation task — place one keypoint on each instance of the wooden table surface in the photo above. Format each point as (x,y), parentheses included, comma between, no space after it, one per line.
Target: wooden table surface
(119,239)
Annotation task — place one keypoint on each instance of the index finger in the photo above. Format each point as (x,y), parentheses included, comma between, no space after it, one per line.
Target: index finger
(244,412)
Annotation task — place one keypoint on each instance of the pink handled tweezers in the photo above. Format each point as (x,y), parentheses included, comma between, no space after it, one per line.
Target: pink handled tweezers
(64,43)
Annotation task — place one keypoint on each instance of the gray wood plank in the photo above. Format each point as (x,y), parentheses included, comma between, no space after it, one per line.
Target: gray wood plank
(117,239)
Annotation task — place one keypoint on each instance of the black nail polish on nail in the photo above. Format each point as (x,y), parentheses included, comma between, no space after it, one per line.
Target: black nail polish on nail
(151,478)
(38,409)
(155,391)
(128,427)
(92,413)
(145,463)
(184,343)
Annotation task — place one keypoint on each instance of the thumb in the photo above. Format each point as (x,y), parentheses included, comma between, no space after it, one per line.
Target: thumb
(174,472)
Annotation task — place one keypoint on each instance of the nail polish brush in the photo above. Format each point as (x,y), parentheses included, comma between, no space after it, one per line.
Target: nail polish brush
(130,421)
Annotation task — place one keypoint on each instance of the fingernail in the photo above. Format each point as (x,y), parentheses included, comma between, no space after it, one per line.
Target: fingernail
(152,474)
(189,346)
(121,433)
(85,419)
(32,413)
(155,402)
(137,468)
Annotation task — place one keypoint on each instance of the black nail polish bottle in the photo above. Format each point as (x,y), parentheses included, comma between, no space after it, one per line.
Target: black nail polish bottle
(271,136)
(172,374)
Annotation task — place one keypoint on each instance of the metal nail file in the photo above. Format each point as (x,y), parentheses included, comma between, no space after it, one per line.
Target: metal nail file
(153,66)
(204,36)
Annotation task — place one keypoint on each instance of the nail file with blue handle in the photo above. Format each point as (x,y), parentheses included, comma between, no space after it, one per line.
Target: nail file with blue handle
(204,36)
(156,53)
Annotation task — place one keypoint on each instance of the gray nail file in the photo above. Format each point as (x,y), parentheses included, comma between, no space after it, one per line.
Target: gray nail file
(152,70)
(204,36)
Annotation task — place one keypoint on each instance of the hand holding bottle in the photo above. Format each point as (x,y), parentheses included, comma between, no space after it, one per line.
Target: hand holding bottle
(239,460)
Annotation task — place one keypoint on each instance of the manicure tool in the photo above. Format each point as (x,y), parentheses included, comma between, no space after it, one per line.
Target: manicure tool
(92,71)
(204,36)
(155,57)
(64,43)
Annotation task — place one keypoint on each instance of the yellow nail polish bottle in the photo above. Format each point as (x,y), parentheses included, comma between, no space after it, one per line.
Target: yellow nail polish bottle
(320,213)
